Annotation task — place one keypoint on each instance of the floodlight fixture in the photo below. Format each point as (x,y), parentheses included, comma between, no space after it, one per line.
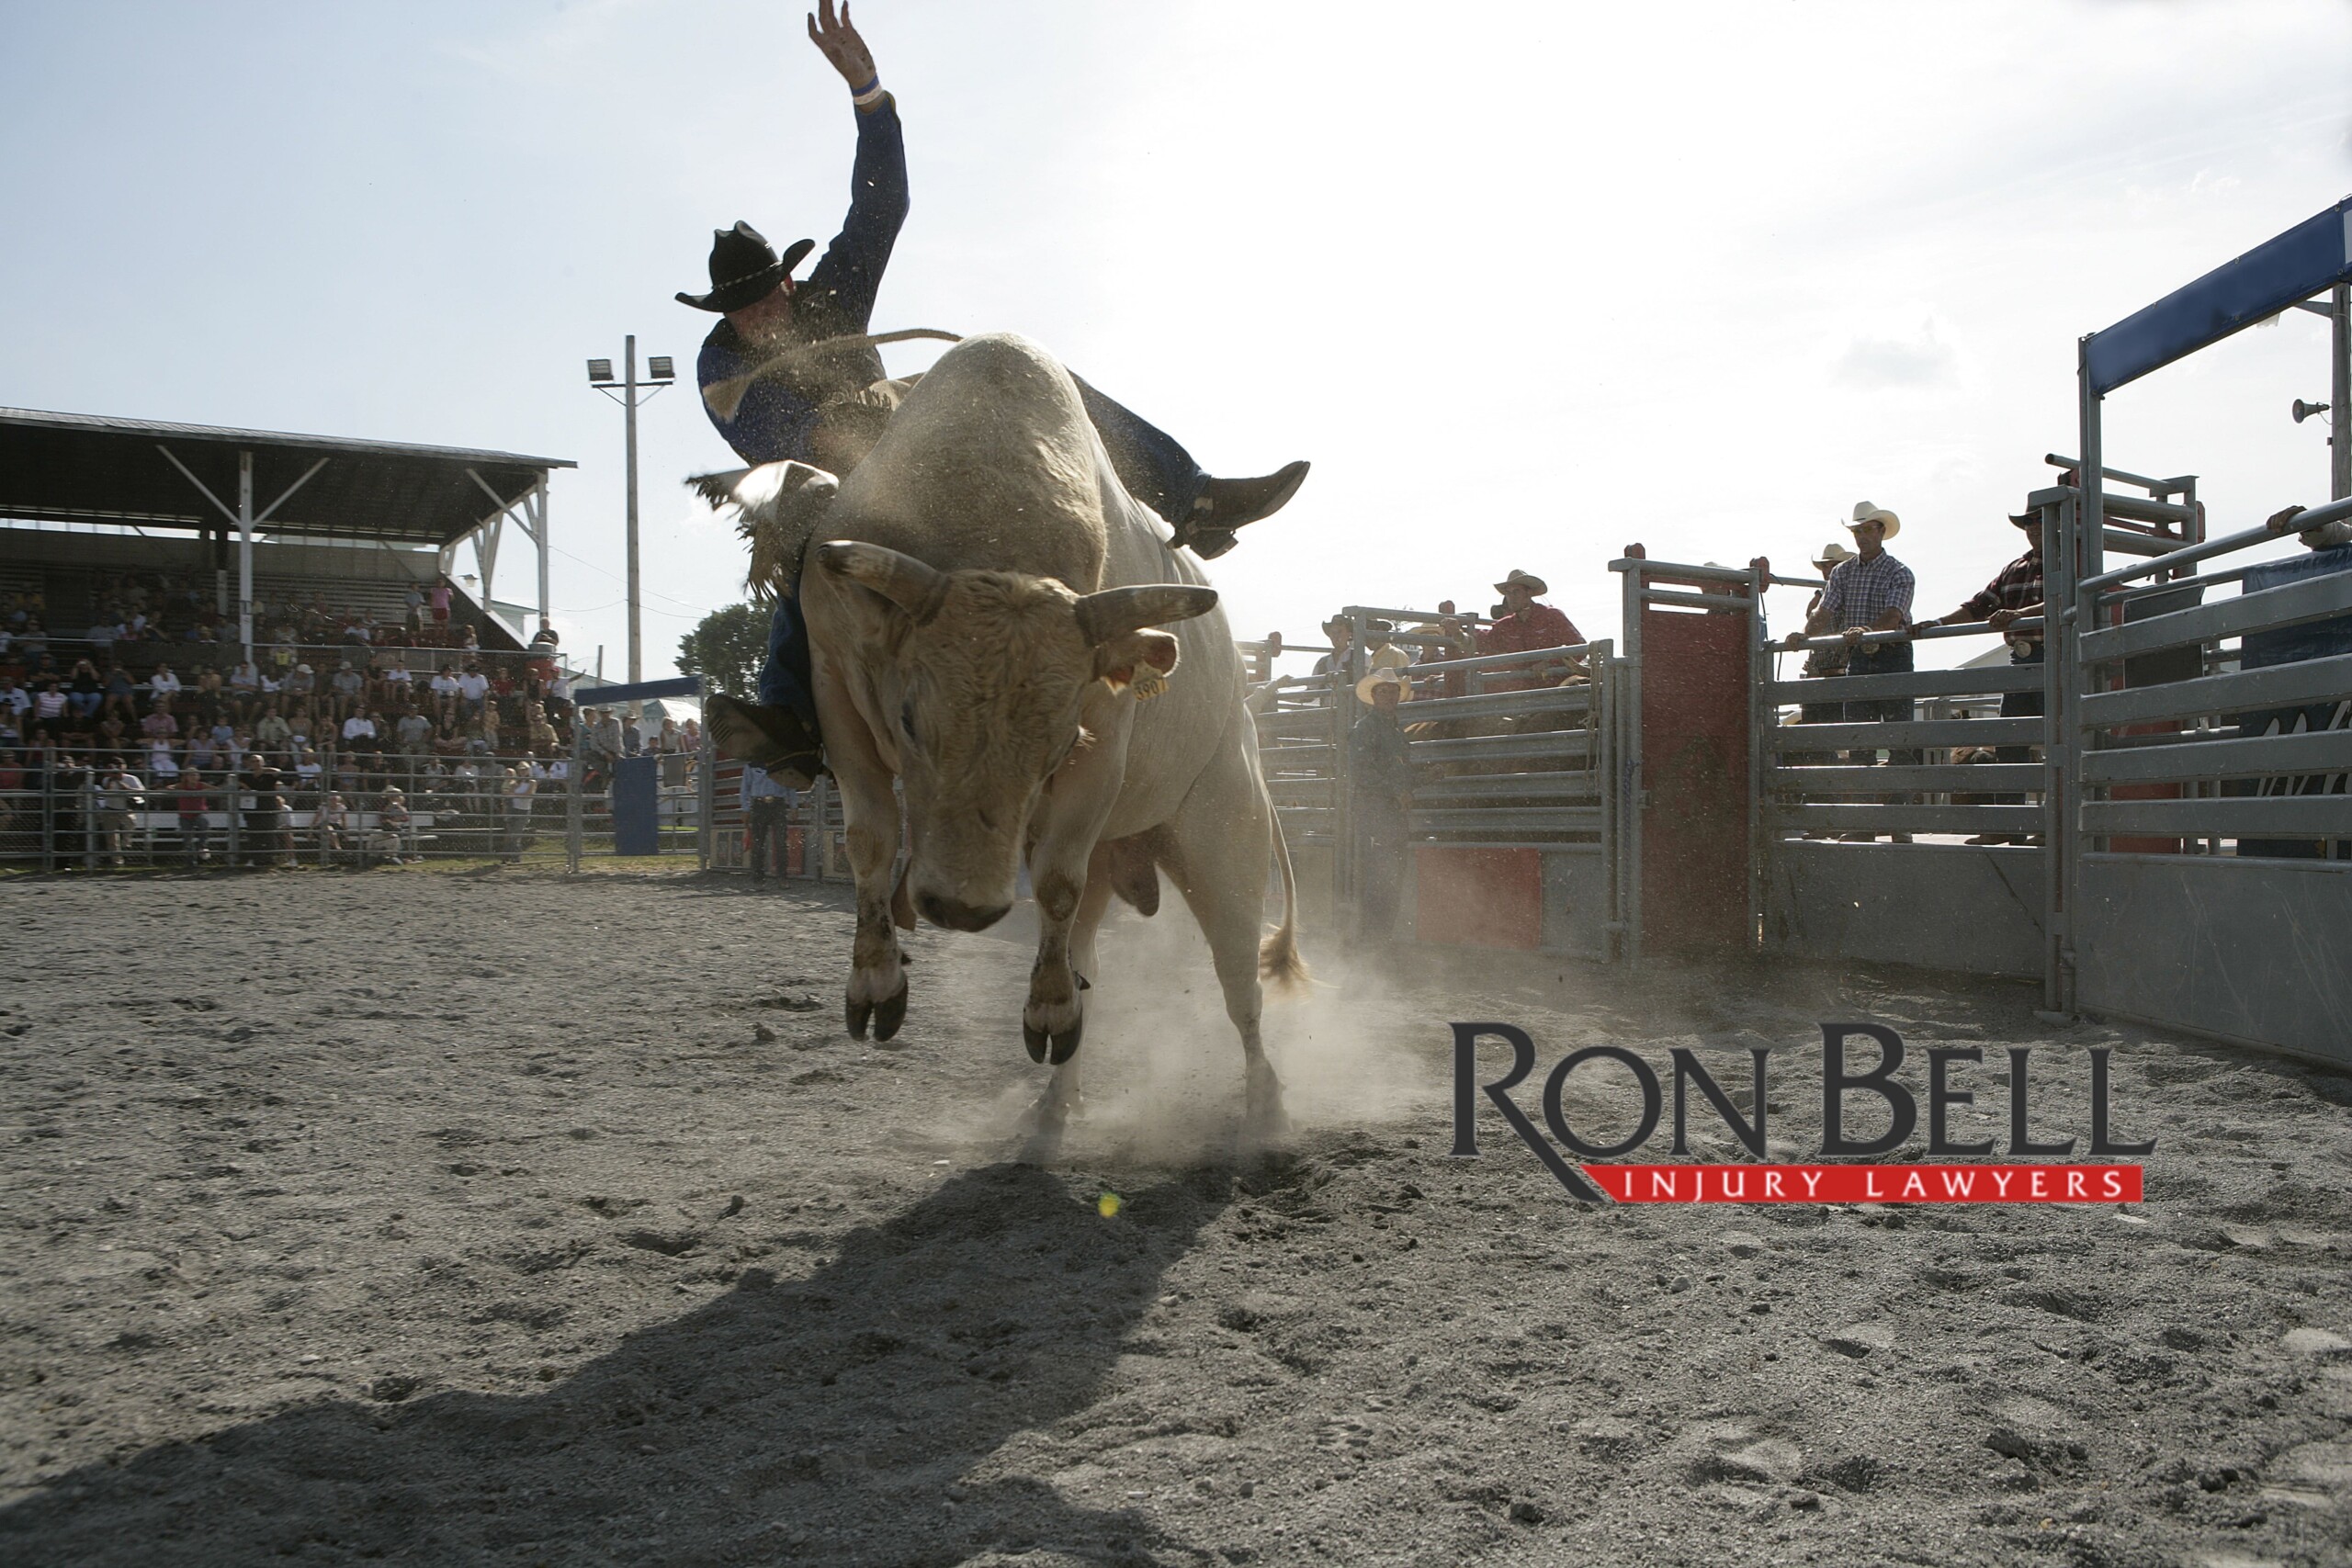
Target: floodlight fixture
(599,371)
(658,367)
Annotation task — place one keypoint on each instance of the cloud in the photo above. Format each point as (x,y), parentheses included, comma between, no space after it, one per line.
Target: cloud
(1921,359)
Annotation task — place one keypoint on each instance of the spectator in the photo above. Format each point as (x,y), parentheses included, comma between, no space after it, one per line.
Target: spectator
(333,826)
(439,600)
(412,603)
(1341,631)
(413,733)
(1521,624)
(392,815)
(348,686)
(1380,781)
(2015,593)
(194,802)
(765,803)
(162,685)
(520,789)
(545,637)
(88,690)
(632,736)
(272,732)
(118,797)
(1869,594)
(1820,664)
(473,690)
(1379,652)
(122,693)
(301,683)
(51,705)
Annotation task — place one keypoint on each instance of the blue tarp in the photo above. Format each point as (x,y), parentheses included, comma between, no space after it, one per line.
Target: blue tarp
(2314,255)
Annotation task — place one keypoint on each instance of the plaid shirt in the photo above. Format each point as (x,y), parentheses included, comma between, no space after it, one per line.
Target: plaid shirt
(2018,588)
(1859,592)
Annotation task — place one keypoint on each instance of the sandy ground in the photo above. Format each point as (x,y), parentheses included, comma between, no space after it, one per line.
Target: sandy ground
(498,1219)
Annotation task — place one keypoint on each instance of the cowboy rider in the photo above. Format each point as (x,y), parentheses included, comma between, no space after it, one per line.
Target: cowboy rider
(824,410)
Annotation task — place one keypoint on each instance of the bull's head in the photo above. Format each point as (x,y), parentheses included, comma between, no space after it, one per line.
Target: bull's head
(985,675)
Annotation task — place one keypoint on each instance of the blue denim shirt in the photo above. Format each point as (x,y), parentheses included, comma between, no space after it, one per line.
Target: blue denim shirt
(779,416)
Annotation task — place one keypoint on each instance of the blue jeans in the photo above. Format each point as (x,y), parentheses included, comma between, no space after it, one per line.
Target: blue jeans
(1152,464)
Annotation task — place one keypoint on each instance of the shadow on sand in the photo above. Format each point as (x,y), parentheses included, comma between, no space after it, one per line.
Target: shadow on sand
(829,1419)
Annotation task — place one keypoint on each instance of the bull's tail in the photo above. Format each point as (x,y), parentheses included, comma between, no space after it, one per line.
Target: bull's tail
(1278,957)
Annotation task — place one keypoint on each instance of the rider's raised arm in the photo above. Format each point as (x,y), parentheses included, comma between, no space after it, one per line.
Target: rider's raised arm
(850,269)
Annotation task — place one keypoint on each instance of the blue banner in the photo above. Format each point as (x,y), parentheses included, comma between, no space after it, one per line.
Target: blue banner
(2314,255)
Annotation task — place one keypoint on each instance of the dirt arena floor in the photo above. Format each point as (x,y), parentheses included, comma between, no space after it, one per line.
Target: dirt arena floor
(455,1219)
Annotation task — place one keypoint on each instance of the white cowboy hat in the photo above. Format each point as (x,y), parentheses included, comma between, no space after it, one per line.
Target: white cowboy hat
(1865,513)
(1526,579)
(1832,553)
(1404,684)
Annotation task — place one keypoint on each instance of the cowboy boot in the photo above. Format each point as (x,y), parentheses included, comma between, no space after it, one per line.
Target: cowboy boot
(1224,505)
(773,739)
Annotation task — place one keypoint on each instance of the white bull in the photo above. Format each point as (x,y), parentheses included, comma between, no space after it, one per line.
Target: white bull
(979,624)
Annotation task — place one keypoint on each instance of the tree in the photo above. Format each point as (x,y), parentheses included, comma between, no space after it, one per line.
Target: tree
(727,650)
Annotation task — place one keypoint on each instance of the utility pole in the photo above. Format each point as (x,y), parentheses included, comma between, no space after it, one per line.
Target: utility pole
(628,394)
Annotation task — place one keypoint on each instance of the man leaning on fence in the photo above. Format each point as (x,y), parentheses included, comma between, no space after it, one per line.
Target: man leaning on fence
(764,802)
(2014,595)
(1872,593)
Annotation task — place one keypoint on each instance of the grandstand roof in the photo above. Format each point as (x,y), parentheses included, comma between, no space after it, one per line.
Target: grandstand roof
(75,468)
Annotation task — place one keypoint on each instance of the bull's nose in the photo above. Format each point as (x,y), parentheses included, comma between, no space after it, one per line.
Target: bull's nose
(956,915)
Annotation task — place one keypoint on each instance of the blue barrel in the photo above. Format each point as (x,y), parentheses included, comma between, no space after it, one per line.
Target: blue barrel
(636,793)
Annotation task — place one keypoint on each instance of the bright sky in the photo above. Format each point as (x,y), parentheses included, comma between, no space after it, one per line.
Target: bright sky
(1527,282)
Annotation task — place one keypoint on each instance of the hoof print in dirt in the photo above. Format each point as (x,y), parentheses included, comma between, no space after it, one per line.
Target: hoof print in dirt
(669,1242)
(393,1387)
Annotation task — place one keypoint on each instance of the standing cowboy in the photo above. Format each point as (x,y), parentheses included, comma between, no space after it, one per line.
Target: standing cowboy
(826,409)
(1523,625)
(2014,595)
(1869,593)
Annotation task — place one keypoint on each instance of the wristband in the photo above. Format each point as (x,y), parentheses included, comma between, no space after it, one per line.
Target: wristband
(868,94)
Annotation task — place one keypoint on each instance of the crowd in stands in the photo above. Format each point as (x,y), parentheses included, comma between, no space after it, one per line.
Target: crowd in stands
(336,729)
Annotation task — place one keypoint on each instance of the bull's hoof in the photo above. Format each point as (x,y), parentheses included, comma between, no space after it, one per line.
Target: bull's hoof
(891,1011)
(1035,1038)
(858,1012)
(1065,1043)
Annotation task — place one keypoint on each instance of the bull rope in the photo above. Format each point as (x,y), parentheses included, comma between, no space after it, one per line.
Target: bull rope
(723,398)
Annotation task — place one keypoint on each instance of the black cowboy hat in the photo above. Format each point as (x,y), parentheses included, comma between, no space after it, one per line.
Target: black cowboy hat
(745,268)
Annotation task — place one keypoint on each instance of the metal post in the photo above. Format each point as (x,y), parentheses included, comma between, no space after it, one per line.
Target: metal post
(1629,765)
(538,509)
(2339,452)
(1759,714)
(2058,526)
(628,403)
(705,801)
(245,552)
(571,805)
(49,813)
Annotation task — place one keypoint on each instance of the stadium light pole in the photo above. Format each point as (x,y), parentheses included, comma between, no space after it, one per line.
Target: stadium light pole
(629,393)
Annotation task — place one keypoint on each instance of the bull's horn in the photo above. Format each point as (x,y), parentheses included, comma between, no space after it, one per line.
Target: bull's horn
(1115,611)
(911,585)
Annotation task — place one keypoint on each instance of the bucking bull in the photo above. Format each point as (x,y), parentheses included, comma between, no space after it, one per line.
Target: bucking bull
(985,617)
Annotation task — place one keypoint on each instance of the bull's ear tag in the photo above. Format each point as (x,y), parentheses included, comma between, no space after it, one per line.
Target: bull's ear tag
(1146,683)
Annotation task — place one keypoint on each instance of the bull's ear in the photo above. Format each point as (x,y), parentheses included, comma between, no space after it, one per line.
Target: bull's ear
(1117,660)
